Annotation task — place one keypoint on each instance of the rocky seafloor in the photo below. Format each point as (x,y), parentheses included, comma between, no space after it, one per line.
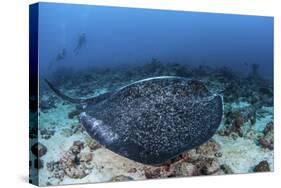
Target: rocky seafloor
(63,153)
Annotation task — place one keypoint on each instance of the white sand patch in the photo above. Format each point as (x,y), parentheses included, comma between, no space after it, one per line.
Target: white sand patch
(264,116)
(240,105)
(56,146)
(107,165)
(242,154)
(57,117)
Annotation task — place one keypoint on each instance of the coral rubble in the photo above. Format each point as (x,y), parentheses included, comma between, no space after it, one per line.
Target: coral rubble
(263,166)
(38,149)
(46,133)
(266,140)
(200,161)
(74,163)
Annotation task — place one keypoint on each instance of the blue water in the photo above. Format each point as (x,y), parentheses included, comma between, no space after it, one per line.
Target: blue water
(121,36)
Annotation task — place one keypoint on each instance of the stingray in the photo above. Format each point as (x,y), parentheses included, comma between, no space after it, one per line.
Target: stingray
(153,120)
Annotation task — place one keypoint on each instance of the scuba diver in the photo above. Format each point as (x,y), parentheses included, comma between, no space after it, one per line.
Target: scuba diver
(80,44)
(60,56)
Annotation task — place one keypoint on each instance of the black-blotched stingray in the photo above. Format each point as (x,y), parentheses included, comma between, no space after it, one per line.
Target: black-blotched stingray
(152,120)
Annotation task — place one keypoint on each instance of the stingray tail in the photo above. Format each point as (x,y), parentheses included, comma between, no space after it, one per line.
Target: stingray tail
(63,96)
(92,100)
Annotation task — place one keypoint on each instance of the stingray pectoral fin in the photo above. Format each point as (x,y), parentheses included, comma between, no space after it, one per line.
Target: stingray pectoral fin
(92,100)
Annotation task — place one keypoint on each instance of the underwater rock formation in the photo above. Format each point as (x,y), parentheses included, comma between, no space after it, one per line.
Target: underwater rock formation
(74,163)
(263,166)
(92,144)
(266,140)
(47,133)
(226,169)
(38,149)
(74,129)
(56,169)
(199,161)
(236,119)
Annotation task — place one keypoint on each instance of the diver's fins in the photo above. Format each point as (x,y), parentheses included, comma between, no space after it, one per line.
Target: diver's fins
(92,100)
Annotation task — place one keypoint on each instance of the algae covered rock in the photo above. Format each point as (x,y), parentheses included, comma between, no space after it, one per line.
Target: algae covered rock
(39,149)
(263,166)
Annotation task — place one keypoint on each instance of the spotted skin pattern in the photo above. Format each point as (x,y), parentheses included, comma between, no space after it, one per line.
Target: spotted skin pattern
(156,119)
